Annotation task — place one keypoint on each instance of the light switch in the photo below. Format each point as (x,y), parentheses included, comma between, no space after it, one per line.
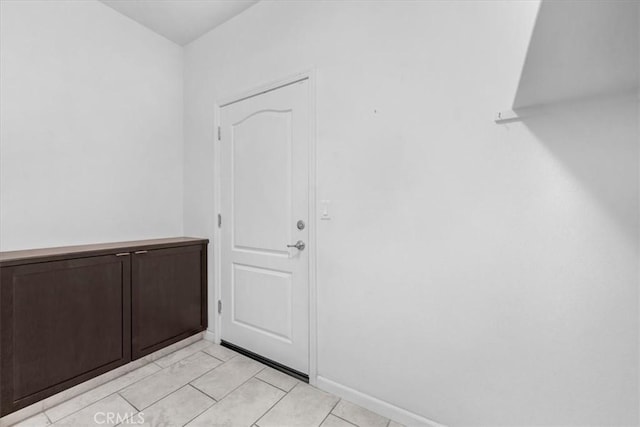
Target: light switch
(324,210)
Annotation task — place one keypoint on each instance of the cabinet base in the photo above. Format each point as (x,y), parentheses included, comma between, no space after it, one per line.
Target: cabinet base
(68,394)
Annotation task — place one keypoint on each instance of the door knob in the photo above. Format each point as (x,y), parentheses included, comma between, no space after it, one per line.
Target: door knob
(299,245)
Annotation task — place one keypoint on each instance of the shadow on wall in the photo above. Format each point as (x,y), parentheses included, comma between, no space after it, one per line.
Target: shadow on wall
(578,94)
(580,49)
(596,141)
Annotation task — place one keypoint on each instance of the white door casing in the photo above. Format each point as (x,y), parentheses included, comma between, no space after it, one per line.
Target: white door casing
(264,192)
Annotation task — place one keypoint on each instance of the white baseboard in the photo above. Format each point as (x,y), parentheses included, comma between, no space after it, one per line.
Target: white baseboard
(376,405)
(210,336)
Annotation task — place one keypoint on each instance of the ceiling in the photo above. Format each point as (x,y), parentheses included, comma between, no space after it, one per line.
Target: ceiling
(181,21)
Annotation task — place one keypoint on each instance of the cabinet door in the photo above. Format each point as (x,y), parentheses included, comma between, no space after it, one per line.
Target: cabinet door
(62,323)
(169,295)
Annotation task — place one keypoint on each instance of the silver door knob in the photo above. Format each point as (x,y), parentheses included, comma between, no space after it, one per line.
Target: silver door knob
(299,245)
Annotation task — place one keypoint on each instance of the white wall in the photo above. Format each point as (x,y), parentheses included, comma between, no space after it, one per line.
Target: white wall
(580,48)
(473,273)
(91,127)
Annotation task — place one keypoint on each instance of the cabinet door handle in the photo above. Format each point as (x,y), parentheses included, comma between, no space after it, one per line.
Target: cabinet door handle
(141,252)
(123,254)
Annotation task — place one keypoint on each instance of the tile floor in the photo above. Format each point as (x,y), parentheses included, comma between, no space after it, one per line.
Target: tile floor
(204,384)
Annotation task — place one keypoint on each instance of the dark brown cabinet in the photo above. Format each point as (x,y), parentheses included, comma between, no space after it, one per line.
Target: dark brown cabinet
(62,323)
(169,294)
(70,314)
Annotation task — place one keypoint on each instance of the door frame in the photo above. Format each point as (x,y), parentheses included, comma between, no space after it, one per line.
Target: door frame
(310,76)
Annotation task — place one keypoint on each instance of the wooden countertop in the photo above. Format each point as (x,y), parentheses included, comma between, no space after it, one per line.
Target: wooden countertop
(51,254)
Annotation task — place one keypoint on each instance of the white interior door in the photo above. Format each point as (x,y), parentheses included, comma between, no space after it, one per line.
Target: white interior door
(264,195)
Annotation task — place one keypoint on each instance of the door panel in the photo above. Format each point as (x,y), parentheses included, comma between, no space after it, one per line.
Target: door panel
(273,288)
(262,181)
(264,192)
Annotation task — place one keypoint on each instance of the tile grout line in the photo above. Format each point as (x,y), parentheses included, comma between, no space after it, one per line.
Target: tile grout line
(92,403)
(110,394)
(155,401)
(256,423)
(345,420)
(205,409)
(44,411)
(353,423)
(132,405)
(200,391)
(119,390)
(221,399)
(272,385)
(125,399)
(128,385)
(331,412)
(243,383)
(222,362)
(168,395)
(272,406)
(180,349)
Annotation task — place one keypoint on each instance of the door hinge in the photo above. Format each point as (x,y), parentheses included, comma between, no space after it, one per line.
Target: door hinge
(219,220)
(219,306)
(219,133)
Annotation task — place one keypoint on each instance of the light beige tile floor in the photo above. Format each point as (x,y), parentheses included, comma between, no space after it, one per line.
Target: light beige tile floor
(204,384)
